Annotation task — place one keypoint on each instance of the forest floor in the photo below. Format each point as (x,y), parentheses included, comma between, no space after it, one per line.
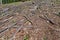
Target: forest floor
(26,21)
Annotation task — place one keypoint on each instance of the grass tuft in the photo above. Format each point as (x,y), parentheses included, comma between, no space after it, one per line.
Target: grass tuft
(26,37)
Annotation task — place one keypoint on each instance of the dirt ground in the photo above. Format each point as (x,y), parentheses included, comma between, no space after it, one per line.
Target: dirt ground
(28,21)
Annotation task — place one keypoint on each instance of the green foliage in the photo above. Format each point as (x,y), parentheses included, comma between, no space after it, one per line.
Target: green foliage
(10,1)
(45,38)
(24,0)
(26,37)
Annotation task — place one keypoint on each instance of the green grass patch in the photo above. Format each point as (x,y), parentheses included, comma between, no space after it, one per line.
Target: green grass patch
(26,37)
(45,38)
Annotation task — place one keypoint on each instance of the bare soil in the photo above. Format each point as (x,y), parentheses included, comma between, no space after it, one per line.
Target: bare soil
(28,21)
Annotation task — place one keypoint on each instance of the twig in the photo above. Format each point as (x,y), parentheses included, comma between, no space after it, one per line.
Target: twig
(3,30)
(42,17)
(3,21)
(28,19)
(7,28)
(16,32)
(51,23)
(49,20)
(19,29)
(5,15)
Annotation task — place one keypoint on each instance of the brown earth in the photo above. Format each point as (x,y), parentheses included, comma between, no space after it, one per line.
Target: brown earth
(28,21)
